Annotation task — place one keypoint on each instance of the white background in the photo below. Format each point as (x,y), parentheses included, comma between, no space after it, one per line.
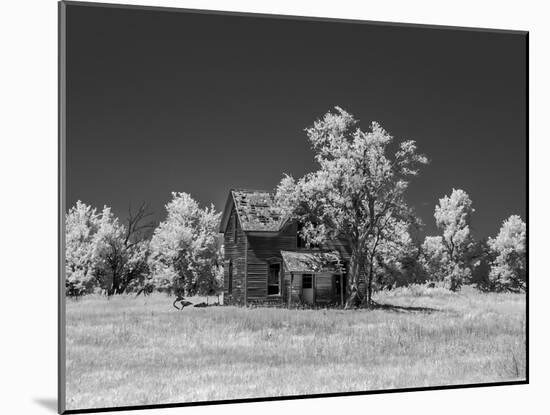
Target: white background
(28,208)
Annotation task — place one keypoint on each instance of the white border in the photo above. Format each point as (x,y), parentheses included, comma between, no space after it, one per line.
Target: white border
(28,168)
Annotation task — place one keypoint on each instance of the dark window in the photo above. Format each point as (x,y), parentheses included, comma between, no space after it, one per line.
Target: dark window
(230,278)
(273,279)
(307,281)
(235,228)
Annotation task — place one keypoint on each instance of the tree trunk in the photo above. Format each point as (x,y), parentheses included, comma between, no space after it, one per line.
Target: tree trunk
(352,289)
(115,283)
(369,285)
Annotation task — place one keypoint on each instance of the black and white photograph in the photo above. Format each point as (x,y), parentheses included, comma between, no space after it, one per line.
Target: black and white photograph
(258,207)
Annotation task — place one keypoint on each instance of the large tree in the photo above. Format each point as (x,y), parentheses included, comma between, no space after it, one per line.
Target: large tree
(449,257)
(185,248)
(357,194)
(508,248)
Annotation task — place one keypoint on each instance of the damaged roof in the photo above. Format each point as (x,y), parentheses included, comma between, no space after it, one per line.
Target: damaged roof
(312,261)
(256,210)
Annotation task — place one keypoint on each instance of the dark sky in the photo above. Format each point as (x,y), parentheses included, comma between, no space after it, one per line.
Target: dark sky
(166,101)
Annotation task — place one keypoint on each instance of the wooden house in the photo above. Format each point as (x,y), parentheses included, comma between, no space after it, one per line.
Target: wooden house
(266,261)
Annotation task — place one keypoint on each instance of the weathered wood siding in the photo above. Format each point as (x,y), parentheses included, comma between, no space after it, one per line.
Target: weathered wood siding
(324,288)
(264,249)
(234,251)
(324,283)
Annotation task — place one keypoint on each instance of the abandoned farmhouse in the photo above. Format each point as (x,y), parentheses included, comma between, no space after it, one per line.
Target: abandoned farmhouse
(267,262)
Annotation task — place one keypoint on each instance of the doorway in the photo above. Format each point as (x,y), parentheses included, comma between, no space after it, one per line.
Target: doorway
(307,288)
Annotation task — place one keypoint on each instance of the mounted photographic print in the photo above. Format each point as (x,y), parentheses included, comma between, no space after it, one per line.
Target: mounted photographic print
(260,207)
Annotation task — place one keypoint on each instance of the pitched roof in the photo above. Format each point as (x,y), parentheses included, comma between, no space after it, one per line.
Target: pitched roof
(256,210)
(312,261)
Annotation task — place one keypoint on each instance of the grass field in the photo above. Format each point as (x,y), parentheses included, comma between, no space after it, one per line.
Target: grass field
(136,351)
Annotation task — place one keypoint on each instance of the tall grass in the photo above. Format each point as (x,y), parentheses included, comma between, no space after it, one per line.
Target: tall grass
(128,351)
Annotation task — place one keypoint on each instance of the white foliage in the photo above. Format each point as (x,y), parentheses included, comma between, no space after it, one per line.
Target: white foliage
(81,225)
(453,217)
(98,254)
(396,254)
(448,257)
(508,270)
(185,248)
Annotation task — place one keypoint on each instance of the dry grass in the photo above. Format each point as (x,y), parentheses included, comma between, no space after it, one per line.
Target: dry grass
(131,351)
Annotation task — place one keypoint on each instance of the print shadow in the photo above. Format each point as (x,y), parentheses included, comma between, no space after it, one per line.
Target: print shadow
(48,403)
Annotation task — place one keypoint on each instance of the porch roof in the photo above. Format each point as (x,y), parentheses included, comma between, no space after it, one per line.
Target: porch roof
(298,261)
